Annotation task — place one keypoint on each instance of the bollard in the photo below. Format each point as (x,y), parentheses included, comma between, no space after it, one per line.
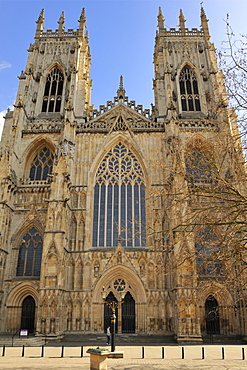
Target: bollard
(142,352)
(3,353)
(42,351)
(203,353)
(182,352)
(243,354)
(163,352)
(81,351)
(223,353)
(62,349)
(23,350)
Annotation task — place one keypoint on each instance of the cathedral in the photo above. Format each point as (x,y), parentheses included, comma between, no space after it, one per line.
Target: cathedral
(121,203)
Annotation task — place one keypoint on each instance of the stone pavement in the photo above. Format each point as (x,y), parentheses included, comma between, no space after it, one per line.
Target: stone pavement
(132,360)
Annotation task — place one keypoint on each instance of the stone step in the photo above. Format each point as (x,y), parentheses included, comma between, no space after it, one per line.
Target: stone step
(18,342)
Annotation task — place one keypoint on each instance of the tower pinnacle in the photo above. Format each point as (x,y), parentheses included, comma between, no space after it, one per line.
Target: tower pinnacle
(60,22)
(82,22)
(204,22)
(161,19)
(40,24)
(182,19)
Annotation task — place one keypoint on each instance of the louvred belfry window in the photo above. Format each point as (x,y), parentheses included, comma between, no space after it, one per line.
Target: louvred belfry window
(189,92)
(119,200)
(42,165)
(30,254)
(53,91)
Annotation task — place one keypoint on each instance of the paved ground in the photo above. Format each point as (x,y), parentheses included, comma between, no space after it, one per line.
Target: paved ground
(132,360)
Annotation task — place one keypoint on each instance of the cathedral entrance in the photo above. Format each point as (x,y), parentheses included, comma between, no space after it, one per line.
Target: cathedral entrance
(28,314)
(128,314)
(108,312)
(212,316)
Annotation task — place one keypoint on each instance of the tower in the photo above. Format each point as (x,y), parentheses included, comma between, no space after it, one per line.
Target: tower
(116,200)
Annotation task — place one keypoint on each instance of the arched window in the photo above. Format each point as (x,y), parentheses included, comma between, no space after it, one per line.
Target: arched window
(119,200)
(53,91)
(41,166)
(30,253)
(199,167)
(189,92)
(208,255)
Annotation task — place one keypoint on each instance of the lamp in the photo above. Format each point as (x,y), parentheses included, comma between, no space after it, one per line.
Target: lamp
(113,306)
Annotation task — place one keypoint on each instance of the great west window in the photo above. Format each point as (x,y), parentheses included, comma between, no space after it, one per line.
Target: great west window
(119,200)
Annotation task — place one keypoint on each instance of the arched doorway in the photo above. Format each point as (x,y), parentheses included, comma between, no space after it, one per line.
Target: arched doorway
(212,316)
(28,314)
(128,314)
(108,312)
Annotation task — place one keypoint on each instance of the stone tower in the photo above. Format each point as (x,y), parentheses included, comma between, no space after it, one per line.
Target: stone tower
(104,203)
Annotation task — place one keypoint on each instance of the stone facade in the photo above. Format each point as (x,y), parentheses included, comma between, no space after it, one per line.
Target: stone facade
(93,201)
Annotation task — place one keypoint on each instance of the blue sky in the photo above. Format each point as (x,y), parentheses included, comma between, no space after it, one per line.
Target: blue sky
(121,36)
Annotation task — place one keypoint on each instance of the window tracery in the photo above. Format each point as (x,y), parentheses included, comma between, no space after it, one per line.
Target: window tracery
(119,200)
(199,167)
(30,254)
(53,91)
(207,253)
(41,166)
(189,92)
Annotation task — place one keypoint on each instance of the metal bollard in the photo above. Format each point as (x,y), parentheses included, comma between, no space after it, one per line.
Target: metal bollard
(182,352)
(163,352)
(243,354)
(3,353)
(223,353)
(23,351)
(81,351)
(142,352)
(42,351)
(62,349)
(203,353)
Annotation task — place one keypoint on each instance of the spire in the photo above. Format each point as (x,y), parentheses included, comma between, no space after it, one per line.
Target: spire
(82,22)
(204,22)
(40,24)
(61,23)
(161,19)
(121,91)
(182,20)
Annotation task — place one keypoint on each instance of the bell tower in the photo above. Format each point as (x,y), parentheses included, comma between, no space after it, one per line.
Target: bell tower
(186,81)
(56,81)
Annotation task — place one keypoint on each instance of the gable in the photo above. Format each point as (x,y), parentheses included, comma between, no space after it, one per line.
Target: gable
(121,117)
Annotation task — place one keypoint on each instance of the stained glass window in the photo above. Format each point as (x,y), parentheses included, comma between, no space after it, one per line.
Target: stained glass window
(207,253)
(199,167)
(53,91)
(41,166)
(30,253)
(189,92)
(119,200)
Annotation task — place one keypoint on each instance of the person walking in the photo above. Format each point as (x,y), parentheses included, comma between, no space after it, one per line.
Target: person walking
(108,334)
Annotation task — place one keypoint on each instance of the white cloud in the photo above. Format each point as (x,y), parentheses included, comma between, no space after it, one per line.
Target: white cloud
(4,64)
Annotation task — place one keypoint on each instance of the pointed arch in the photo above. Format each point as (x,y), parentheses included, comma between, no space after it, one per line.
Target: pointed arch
(189,90)
(72,233)
(199,162)
(53,90)
(119,199)
(39,158)
(30,253)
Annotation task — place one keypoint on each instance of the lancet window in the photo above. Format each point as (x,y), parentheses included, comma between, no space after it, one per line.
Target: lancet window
(199,167)
(119,200)
(53,91)
(30,253)
(189,92)
(208,255)
(41,166)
